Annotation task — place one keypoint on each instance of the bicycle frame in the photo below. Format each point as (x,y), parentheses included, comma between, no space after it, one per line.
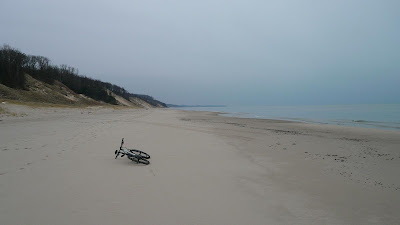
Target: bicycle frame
(124,151)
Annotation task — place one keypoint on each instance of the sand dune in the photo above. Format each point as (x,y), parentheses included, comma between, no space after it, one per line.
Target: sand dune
(57,167)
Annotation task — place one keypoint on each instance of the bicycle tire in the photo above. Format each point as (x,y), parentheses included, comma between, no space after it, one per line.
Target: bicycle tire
(139,159)
(141,153)
(144,161)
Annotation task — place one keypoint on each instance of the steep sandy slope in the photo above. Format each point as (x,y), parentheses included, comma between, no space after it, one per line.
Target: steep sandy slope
(133,101)
(38,91)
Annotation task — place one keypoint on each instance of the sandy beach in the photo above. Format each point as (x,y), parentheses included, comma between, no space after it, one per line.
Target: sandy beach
(57,166)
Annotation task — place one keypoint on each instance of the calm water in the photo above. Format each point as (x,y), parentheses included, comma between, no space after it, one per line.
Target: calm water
(373,116)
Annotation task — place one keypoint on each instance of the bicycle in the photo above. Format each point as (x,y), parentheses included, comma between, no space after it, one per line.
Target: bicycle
(132,154)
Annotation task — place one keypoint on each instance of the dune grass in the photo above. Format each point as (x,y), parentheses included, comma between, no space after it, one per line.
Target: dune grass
(5,112)
(38,94)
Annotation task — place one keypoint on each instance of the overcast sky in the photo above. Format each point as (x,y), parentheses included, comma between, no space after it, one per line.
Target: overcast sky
(278,52)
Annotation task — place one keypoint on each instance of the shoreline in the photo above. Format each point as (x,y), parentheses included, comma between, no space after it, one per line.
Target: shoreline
(57,167)
(281,113)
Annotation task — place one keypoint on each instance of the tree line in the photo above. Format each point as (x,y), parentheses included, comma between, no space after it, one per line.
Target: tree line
(14,64)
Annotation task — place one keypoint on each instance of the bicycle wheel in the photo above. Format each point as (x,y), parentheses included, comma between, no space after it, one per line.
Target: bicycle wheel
(144,161)
(140,153)
(139,159)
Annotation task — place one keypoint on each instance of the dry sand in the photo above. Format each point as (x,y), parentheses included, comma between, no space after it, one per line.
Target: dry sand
(57,166)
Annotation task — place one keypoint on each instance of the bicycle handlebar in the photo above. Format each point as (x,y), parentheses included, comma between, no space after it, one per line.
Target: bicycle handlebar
(116,154)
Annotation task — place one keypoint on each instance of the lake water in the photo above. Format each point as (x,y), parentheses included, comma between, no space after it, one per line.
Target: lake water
(374,116)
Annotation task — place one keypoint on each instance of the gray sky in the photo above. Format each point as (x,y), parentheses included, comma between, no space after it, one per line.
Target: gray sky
(220,51)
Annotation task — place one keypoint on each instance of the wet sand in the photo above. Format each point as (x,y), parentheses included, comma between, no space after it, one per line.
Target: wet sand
(57,166)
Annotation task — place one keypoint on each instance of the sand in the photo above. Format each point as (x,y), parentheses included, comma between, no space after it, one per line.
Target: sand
(57,166)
